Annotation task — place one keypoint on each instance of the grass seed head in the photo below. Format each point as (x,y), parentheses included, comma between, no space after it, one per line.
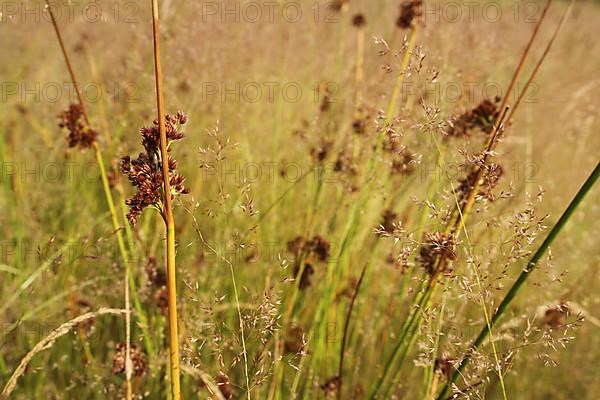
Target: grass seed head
(79,134)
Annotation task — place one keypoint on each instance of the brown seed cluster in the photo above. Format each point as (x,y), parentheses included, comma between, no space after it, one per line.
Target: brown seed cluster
(491,175)
(404,163)
(308,271)
(156,276)
(359,20)
(360,123)
(344,164)
(321,152)
(138,360)
(157,282)
(445,366)
(314,250)
(294,339)
(331,386)
(145,172)
(409,10)
(317,247)
(224,385)
(555,317)
(79,134)
(388,222)
(480,118)
(337,5)
(437,252)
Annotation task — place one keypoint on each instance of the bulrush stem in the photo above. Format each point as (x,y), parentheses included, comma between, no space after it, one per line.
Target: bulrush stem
(111,207)
(559,27)
(531,265)
(167,213)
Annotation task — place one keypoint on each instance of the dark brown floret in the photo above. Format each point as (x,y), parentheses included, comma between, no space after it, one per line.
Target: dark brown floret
(392,143)
(305,277)
(445,366)
(404,163)
(138,360)
(294,340)
(489,180)
(112,175)
(145,172)
(556,316)
(409,10)
(320,247)
(389,220)
(296,245)
(337,5)
(321,152)
(79,134)
(156,276)
(436,253)
(22,109)
(161,299)
(317,246)
(331,386)
(224,385)
(481,117)
(359,20)
(359,126)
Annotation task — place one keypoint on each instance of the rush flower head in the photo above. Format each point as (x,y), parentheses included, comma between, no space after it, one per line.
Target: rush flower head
(79,134)
(481,117)
(409,10)
(389,222)
(145,172)
(138,359)
(359,20)
(490,178)
(445,366)
(225,386)
(436,252)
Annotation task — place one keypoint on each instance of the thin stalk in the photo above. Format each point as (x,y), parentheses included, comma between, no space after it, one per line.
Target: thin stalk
(167,214)
(486,314)
(559,27)
(531,266)
(346,326)
(103,121)
(111,207)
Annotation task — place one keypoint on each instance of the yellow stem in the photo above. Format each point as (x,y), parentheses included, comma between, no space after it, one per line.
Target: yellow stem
(167,214)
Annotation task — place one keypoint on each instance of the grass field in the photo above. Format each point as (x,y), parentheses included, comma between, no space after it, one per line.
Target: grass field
(371,207)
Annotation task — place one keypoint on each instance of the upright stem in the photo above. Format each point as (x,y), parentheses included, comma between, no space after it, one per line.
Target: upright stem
(111,207)
(167,213)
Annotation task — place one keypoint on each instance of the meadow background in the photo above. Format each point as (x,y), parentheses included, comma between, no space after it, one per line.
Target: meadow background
(267,165)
